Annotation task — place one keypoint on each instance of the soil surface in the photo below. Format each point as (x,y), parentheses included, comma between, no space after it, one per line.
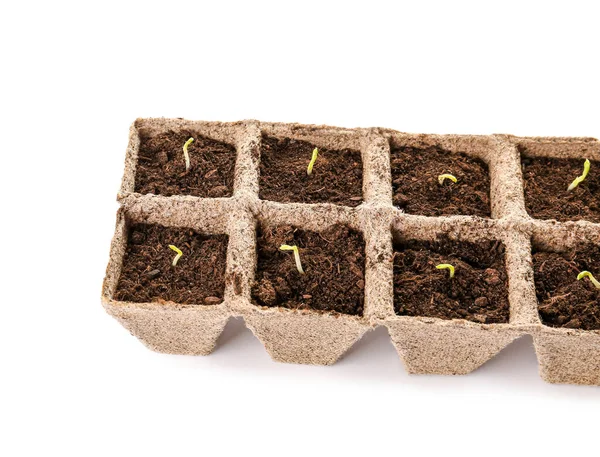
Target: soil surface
(336,175)
(161,166)
(546,182)
(478,292)
(149,276)
(563,301)
(334,265)
(417,189)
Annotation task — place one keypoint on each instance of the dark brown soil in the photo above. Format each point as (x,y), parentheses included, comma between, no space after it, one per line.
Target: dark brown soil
(417,189)
(334,265)
(336,176)
(161,166)
(149,276)
(563,301)
(546,182)
(478,292)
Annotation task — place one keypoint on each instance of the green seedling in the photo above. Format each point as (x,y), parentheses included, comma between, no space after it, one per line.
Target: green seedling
(315,154)
(285,247)
(186,154)
(178,256)
(446,266)
(442,178)
(587,274)
(579,179)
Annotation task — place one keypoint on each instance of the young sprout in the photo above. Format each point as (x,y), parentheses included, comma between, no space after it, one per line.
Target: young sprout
(285,247)
(579,179)
(583,274)
(442,178)
(446,266)
(312,161)
(178,256)
(186,154)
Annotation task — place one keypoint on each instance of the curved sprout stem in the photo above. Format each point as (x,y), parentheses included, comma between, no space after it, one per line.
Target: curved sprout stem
(442,178)
(186,154)
(315,154)
(178,256)
(587,274)
(446,266)
(579,179)
(285,247)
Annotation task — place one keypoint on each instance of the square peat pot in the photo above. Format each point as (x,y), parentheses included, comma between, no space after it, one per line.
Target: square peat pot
(176,309)
(311,304)
(156,164)
(350,166)
(568,340)
(549,168)
(452,294)
(370,223)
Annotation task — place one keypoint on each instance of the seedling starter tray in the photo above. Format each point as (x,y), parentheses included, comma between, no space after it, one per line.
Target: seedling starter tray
(426,345)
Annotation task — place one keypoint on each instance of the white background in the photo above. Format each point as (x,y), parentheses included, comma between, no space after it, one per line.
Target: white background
(74,75)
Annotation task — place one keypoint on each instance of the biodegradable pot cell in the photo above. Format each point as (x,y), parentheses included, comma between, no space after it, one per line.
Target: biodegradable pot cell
(371,222)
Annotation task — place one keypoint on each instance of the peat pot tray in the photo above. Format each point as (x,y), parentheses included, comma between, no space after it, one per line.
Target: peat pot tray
(371,222)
